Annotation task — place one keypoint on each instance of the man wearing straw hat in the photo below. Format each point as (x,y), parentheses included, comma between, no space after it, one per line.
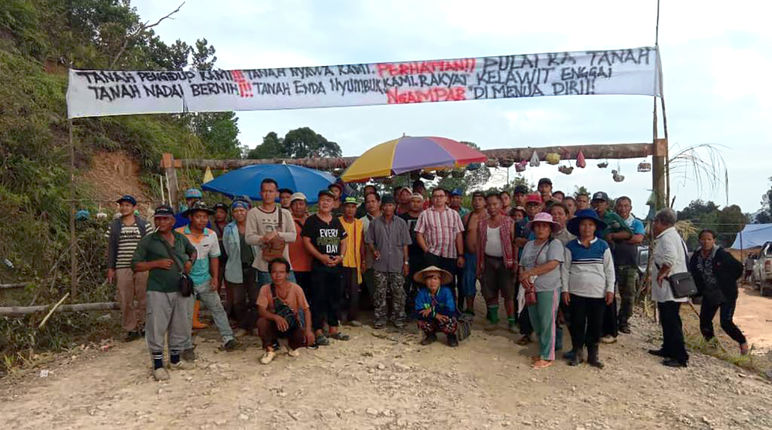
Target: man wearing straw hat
(435,307)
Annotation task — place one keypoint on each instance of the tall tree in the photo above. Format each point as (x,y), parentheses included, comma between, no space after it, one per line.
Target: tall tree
(765,216)
(298,143)
(270,148)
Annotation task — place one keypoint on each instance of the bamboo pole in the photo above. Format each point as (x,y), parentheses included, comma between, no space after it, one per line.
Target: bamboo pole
(13,285)
(78,307)
(53,308)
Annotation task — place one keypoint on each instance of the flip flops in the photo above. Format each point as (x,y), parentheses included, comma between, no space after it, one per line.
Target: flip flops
(340,336)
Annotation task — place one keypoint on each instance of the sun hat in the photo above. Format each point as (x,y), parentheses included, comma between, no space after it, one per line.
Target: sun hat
(298,196)
(573,224)
(199,206)
(193,193)
(127,198)
(163,211)
(533,198)
(445,276)
(545,218)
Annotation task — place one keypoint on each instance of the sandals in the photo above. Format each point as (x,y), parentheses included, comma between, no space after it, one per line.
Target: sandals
(525,340)
(321,340)
(340,336)
(541,364)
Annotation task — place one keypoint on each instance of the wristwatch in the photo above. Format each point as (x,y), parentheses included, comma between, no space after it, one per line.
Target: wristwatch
(406,263)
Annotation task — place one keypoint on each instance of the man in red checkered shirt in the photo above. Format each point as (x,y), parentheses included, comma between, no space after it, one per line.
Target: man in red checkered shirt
(439,234)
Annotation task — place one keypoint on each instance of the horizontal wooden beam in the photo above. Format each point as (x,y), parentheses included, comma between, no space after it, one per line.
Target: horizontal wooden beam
(78,307)
(606,151)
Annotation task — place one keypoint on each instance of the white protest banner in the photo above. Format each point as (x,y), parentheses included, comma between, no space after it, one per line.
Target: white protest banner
(619,71)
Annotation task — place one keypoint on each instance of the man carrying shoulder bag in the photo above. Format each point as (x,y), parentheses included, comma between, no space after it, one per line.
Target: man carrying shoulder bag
(167,308)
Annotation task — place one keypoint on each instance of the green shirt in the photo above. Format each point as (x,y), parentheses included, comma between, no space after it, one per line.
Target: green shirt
(614,224)
(151,248)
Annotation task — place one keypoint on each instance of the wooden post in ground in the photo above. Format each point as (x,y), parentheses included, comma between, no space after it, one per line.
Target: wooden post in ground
(168,164)
(658,177)
(73,237)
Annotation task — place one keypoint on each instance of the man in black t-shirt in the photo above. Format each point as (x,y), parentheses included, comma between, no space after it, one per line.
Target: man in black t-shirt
(323,236)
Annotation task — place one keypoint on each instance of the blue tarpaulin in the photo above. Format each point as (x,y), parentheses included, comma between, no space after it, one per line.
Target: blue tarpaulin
(753,235)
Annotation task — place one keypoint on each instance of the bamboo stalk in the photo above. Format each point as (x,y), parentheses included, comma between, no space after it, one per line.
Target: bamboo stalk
(53,308)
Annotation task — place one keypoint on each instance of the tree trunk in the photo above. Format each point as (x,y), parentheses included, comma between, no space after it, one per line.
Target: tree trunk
(79,307)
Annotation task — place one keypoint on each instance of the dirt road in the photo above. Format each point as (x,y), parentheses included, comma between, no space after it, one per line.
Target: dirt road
(754,317)
(389,382)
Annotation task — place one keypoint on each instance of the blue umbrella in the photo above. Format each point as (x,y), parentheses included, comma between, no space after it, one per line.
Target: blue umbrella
(246,180)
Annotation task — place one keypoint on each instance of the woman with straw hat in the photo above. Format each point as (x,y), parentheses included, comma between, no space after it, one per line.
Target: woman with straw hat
(540,273)
(434,305)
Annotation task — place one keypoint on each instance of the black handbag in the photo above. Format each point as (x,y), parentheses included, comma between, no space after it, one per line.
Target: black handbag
(283,310)
(682,284)
(185,284)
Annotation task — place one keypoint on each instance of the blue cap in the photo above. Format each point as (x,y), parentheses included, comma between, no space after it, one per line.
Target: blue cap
(456,192)
(127,198)
(240,204)
(193,193)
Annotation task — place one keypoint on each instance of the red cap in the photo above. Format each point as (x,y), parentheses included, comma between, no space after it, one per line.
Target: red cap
(533,198)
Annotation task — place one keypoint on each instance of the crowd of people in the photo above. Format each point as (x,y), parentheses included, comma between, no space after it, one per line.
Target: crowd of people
(277,271)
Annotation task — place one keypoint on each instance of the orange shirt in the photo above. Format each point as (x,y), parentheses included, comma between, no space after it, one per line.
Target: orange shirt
(295,298)
(299,257)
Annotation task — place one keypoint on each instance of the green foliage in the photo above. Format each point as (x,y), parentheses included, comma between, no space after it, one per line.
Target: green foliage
(765,216)
(472,179)
(298,143)
(726,222)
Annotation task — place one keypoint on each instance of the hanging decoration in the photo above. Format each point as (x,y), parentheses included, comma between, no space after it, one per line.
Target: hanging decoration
(457,173)
(429,176)
(566,169)
(442,173)
(618,177)
(535,160)
(491,162)
(580,161)
(603,164)
(506,163)
(552,158)
(472,166)
(520,166)
(415,175)
(644,167)
(337,172)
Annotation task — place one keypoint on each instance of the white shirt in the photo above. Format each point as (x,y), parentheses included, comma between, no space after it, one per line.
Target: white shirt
(669,249)
(493,244)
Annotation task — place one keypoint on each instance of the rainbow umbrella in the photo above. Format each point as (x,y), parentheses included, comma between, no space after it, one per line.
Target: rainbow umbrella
(408,153)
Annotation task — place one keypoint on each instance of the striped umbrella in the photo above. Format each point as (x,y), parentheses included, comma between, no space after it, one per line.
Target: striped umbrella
(409,153)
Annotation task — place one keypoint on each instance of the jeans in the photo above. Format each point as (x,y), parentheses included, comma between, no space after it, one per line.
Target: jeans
(351,291)
(211,300)
(469,279)
(708,311)
(672,331)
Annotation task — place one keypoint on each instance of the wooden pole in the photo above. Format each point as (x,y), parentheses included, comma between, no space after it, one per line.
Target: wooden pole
(603,151)
(79,307)
(73,238)
(168,163)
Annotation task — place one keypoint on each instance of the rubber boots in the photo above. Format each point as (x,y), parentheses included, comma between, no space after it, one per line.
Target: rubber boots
(197,325)
(592,357)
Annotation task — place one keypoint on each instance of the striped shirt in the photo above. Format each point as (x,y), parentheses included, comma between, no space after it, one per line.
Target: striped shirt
(127,243)
(440,229)
(588,271)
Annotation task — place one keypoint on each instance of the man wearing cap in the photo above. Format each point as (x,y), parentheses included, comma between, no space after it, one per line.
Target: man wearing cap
(323,236)
(192,195)
(518,195)
(456,197)
(123,236)
(420,188)
(439,234)
(166,254)
(337,191)
(545,189)
(285,195)
(372,211)
(299,257)
(469,273)
(353,260)
(269,227)
(388,238)
(403,197)
(414,252)
(205,272)
(616,231)
(625,255)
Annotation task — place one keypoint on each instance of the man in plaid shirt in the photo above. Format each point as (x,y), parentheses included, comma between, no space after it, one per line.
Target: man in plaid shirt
(439,234)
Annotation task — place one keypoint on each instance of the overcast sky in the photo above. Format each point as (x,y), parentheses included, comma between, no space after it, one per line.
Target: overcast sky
(714,57)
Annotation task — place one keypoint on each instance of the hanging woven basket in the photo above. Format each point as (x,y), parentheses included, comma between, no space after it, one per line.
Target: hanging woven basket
(506,163)
(491,162)
(442,173)
(473,166)
(457,173)
(566,169)
(644,167)
(552,158)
